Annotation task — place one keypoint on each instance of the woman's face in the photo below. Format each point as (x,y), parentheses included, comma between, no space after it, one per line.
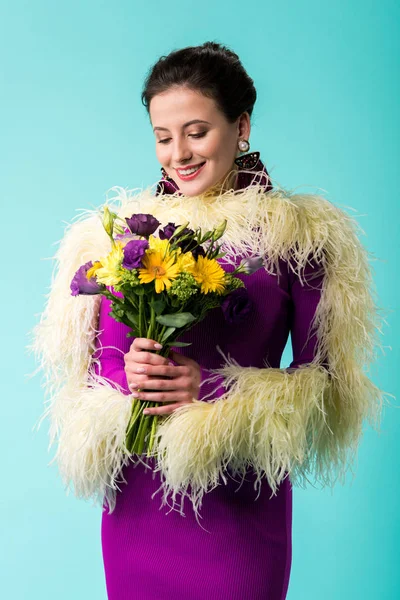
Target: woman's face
(191,132)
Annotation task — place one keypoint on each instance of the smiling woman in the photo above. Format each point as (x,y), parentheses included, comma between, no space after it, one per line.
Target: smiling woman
(240,430)
(195,141)
(198,117)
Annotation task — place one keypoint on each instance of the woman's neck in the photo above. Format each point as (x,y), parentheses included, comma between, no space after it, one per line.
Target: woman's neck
(228,182)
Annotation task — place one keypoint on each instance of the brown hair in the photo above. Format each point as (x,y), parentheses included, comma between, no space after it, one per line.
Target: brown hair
(212,69)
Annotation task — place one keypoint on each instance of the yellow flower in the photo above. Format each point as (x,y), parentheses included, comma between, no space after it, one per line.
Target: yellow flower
(209,273)
(109,272)
(185,261)
(158,266)
(92,271)
(157,245)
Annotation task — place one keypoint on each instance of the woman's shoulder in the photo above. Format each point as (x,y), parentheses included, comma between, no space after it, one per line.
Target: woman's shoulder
(305,230)
(306,220)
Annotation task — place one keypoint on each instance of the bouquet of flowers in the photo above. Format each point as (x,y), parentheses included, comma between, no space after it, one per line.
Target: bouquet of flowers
(168,284)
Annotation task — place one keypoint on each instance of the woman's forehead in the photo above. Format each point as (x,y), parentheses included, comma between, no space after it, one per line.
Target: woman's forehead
(180,105)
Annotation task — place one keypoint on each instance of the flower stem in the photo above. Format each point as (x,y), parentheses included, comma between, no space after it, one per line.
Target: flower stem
(134,415)
(133,426)
(139,442)
(140,316)
(152,434)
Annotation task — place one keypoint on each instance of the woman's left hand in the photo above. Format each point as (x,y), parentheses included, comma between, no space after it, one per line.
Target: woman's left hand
(180,387)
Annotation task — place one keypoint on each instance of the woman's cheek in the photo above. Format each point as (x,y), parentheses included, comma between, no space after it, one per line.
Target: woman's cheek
(162,153)
(209,145)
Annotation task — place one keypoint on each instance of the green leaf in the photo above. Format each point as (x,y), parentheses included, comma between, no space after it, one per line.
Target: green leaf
(158,306)
(206,237)
(178,344)
(176,320)
(167,333)
(175,302)
(121,319)
(220,255)
(133,317)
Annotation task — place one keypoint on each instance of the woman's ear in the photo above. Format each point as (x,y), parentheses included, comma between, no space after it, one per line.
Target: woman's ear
(244,126)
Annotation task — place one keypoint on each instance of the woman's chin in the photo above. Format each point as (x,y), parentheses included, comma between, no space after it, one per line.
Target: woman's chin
(197,188)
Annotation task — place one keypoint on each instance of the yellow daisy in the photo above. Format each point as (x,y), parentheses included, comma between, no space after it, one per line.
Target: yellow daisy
(92,271)
(185,262)
(159,267)
(157,245)
(209,274)
(109,272)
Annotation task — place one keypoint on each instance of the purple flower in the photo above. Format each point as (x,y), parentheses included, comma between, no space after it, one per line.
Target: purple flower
(142,224)
(251,265)
(187,245)
(80,284)
(126,236)
(133,254)
(237,306)
(167,231)
(198,251)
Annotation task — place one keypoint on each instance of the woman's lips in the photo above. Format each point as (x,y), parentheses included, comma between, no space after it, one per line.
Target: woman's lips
(191,176)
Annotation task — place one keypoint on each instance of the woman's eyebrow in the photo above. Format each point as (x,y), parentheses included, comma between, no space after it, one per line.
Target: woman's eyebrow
(185,125)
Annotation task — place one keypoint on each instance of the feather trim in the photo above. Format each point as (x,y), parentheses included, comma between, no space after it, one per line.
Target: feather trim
(91,421)
(273,421)
(65,334)
(329,407)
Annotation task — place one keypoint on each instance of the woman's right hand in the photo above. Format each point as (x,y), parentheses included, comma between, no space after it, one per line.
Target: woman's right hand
(160,379)
(141,362)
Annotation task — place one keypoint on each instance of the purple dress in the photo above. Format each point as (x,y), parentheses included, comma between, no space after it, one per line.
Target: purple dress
(241,550)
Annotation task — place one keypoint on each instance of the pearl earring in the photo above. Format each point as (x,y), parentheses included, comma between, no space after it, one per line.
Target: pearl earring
(243,145)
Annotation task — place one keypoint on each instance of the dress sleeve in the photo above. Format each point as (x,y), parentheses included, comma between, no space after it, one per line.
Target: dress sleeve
(212,386)
(111,345)
(305,292)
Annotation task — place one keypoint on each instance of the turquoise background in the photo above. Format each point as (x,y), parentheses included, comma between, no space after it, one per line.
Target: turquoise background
(72,126)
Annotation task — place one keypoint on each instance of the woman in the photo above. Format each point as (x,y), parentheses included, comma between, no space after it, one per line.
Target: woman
(244,424)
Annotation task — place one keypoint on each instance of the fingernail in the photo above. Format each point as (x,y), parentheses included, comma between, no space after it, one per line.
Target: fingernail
(146,412)
(133,385)
(158,346)
(140,370)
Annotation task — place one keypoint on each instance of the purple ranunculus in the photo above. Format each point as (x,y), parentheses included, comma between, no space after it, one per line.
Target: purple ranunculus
(133,254)
(167,231)
(237,306)
(142,224)
(80,284)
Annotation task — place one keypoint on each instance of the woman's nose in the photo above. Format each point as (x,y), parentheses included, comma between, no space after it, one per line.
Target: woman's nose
(180,151)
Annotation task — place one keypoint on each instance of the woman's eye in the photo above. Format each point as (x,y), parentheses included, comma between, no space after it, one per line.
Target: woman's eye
(195,135)
(198,135)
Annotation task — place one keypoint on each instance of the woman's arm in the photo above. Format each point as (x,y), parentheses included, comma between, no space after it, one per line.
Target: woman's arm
(306,294)
(302,420)
(112,344)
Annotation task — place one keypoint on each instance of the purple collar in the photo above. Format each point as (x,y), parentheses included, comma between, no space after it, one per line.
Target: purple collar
(257,175)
